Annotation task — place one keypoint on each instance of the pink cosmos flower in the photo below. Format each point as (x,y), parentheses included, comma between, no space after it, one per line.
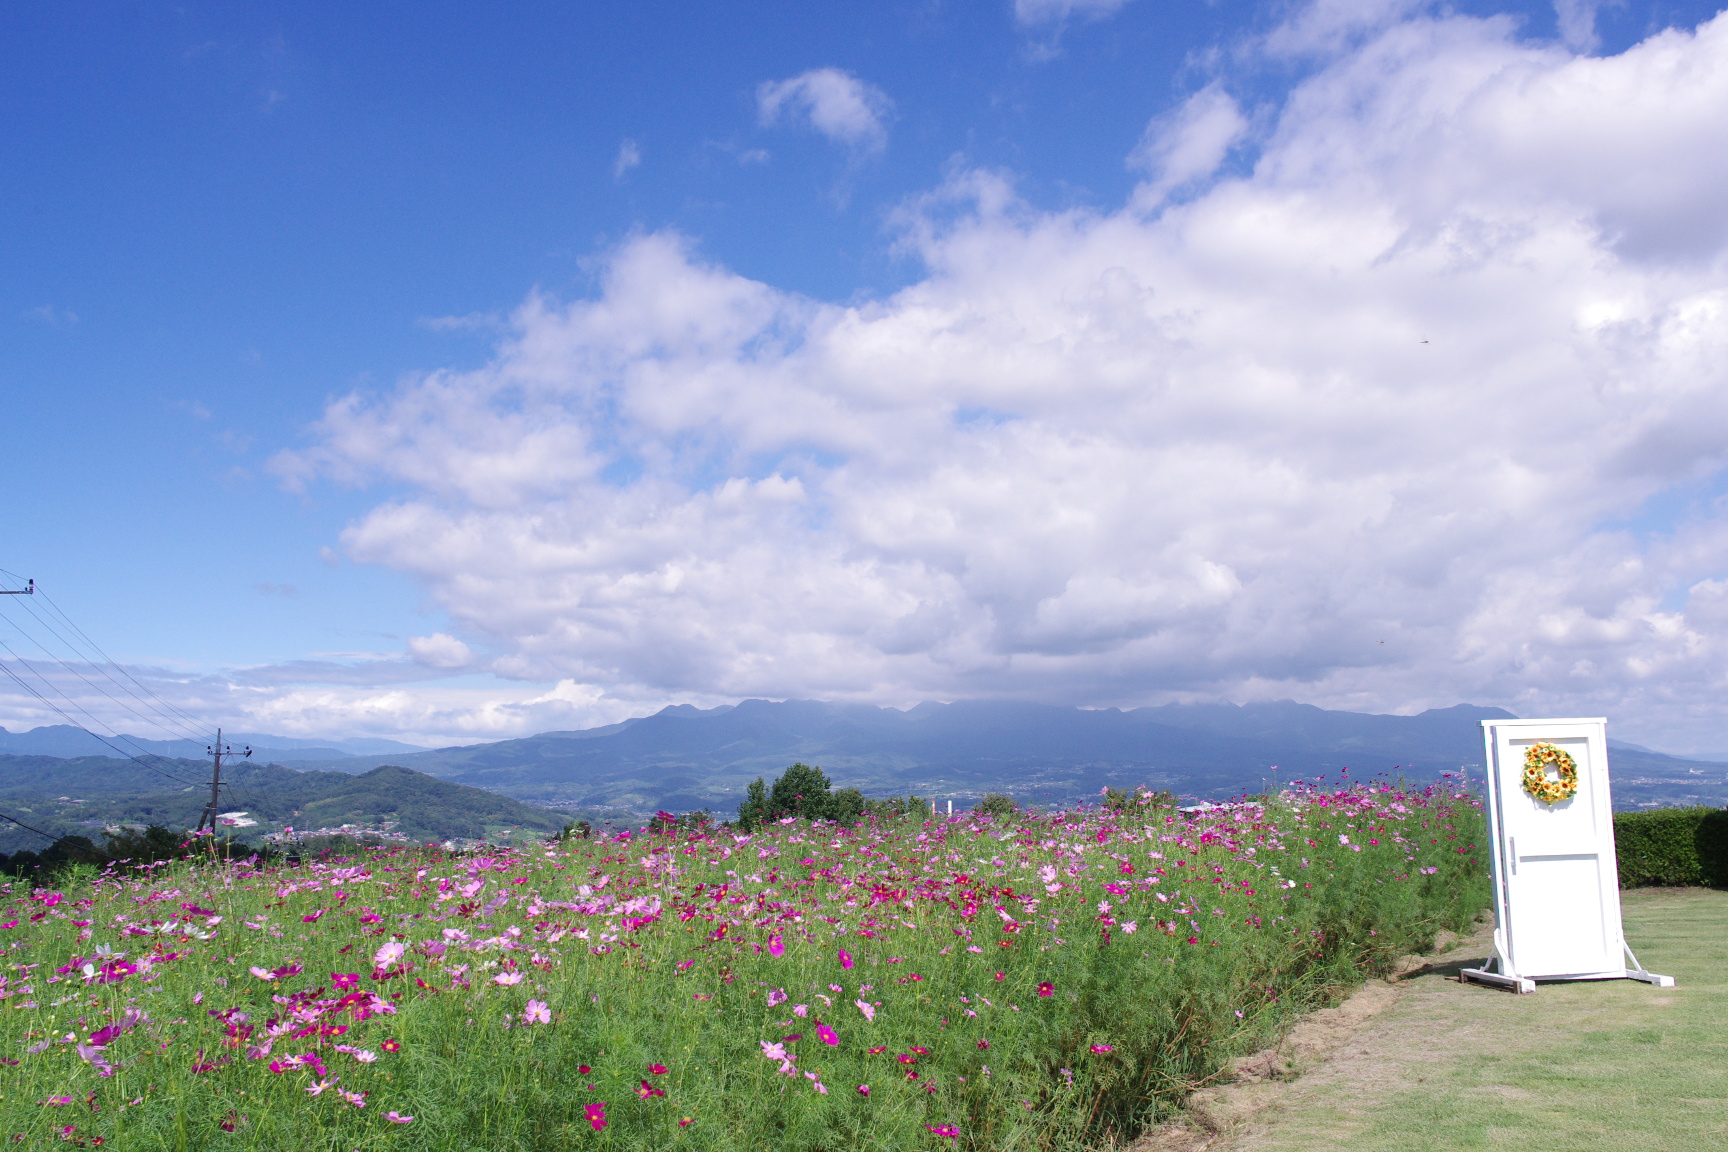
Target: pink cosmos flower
(657,1069)
(596,1115)
(777,997)
(312,917)
(863,1089)
(1045,988)
(827,1034)
(683,964)
(358,1099)
(507,978)
(538,1013)
(945,1130)
(845,958)
(398,1118)
(869,1012)
(344,980)
(389,954)
(1101,1048)
(776,947)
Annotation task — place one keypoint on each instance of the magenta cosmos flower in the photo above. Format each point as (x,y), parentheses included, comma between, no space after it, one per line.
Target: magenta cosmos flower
(596,1115)
(827,1034)
(1046,988)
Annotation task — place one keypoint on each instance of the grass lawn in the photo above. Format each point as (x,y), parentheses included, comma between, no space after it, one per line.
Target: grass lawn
(1584,1067)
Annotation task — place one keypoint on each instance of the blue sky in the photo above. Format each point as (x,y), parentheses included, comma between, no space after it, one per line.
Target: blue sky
(219,219)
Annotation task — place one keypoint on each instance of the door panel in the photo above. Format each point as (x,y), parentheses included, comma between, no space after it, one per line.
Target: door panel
(1561,889)
(1559,928)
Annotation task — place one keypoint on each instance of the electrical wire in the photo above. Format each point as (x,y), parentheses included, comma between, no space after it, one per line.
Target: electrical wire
(154,720)
(196,725)
(177,718)
(57,839)
(24,684)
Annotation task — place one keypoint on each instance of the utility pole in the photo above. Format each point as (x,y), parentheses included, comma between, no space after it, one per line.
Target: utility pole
(28,590)
(217,751)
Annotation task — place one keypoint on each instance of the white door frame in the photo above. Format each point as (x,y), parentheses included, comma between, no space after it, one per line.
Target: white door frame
(1572,845)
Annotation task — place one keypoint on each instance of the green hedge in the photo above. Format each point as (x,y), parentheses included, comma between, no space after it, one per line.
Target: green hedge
(1672,847)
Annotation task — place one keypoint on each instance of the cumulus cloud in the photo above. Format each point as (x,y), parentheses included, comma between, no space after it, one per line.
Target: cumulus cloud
(1188,145)
(837,104)
(363,695)
(1576,23)
(440,651)
(1353,427)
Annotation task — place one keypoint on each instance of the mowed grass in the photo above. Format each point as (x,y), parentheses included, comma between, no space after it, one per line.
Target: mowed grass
(1597,1066)
(985,983)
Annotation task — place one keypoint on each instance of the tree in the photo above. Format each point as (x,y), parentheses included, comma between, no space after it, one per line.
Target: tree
(846,806)
(754,809)
(802,791)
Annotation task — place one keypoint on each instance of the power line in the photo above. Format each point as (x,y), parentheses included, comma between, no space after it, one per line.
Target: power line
(197,724)
(164,712)
(156,720)
(22,683)
(57,839)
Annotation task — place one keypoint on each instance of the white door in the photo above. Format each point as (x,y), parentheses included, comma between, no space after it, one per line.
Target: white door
(1562,891)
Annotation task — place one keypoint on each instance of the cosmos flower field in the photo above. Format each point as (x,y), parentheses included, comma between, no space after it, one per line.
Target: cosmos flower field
(974,982)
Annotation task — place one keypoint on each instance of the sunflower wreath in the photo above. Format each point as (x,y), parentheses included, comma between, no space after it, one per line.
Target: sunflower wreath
(1536,781)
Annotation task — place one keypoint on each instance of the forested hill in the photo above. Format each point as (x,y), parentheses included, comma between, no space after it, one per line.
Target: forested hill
(78,796)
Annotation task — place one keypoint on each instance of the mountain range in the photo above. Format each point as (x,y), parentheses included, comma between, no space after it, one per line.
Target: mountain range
(66,741)
(683,758)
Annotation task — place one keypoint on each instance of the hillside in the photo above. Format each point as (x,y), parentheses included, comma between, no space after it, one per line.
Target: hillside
(100,790)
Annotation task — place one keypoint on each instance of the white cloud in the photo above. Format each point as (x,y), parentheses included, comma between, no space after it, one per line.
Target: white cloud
(439,651)
(51,316)
(837,104)
(1470,305)
(1187,145)
(629,156)
(1576,20)
(1031,13)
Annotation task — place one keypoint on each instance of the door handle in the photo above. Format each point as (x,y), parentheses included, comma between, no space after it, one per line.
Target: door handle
(1514,843)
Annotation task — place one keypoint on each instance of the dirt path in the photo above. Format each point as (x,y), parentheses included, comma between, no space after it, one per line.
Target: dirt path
(1428,1063)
